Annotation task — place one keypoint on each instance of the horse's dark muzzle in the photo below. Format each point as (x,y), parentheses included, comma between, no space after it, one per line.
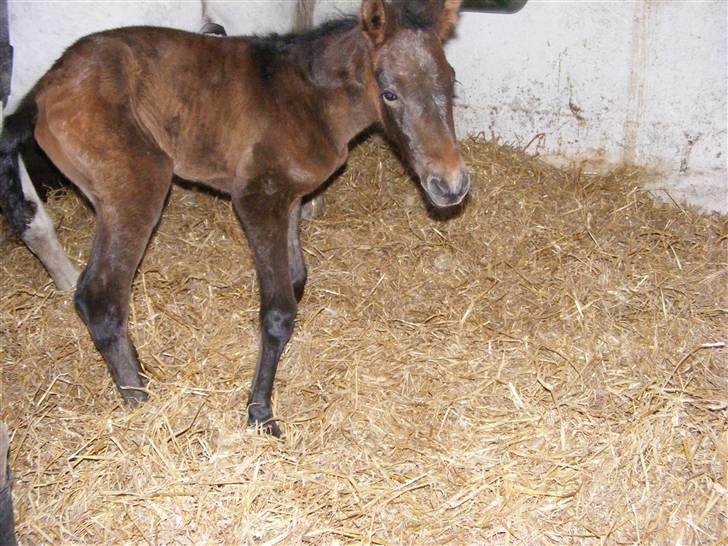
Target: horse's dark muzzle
(443,193)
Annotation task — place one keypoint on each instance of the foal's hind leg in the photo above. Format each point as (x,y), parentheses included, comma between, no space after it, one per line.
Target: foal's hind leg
(124,223)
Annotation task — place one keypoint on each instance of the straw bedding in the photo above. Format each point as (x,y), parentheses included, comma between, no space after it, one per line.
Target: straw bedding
(544,368)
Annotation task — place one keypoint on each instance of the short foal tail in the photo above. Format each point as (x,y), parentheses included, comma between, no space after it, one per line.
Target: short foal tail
(19,200)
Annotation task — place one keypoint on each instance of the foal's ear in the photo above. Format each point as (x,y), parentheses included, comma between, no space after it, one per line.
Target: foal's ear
(373,18)
(448,18)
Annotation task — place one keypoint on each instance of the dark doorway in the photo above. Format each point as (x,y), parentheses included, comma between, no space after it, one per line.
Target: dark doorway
(6,53)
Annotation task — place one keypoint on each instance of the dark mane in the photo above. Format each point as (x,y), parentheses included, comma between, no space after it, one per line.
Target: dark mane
(412,14)
(299,48)
(281,42)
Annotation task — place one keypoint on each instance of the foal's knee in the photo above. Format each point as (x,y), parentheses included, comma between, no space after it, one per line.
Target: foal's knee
(277,322)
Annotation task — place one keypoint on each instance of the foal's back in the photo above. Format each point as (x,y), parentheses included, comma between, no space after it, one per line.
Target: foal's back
(213,106)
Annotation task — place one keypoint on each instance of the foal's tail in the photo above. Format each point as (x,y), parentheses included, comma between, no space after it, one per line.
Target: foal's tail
(17,135)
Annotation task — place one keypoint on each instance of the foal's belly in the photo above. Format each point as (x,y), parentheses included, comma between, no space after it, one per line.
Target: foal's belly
(286,166)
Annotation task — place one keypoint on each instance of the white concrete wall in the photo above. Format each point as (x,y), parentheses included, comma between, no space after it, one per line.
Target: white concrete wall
(609,82)
(605,82)
(40,30)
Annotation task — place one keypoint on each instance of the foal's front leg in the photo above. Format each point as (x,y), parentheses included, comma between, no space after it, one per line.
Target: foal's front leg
(266,219)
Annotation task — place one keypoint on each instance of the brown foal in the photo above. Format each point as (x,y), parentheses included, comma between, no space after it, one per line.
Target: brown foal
(265,120)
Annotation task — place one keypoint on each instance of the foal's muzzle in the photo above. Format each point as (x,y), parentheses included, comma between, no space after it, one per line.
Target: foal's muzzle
(444,193)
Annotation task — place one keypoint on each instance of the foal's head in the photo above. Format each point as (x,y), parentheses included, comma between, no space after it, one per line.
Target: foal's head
(415,87)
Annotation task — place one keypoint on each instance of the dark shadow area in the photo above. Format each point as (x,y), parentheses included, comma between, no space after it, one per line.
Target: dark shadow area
(493,6)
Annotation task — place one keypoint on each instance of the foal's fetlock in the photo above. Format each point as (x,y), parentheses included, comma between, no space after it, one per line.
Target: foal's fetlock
(278,323)
(101,318)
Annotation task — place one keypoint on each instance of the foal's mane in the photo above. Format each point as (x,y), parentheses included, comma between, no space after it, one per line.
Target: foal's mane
(299,48)
(412,14)
(302,48)
(282,42)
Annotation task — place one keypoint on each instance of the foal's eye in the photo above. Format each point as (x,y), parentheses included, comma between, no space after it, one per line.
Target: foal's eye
(388,96)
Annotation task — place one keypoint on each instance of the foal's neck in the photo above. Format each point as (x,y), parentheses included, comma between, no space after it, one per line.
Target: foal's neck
(341,68)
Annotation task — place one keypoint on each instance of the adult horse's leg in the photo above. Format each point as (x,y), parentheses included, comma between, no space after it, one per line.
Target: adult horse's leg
(19,200)
(124,223)
(267,230)
(40,237)
(295,255)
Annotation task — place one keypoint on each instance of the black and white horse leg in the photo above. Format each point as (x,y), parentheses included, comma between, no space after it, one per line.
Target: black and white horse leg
(267,231)
(40,237)
(295,254)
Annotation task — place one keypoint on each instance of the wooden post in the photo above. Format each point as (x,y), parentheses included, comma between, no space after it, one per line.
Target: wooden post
(304,15)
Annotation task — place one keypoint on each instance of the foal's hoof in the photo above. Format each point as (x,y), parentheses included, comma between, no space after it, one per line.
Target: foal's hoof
(263,418)
(133,396)
(272,428)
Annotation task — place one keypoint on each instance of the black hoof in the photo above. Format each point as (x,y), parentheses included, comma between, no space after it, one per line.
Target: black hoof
(263,418)
(132,396)
(272,428)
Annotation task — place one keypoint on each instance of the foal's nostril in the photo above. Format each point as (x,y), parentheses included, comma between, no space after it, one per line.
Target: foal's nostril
(438,186)
(465,183)
(444,194)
